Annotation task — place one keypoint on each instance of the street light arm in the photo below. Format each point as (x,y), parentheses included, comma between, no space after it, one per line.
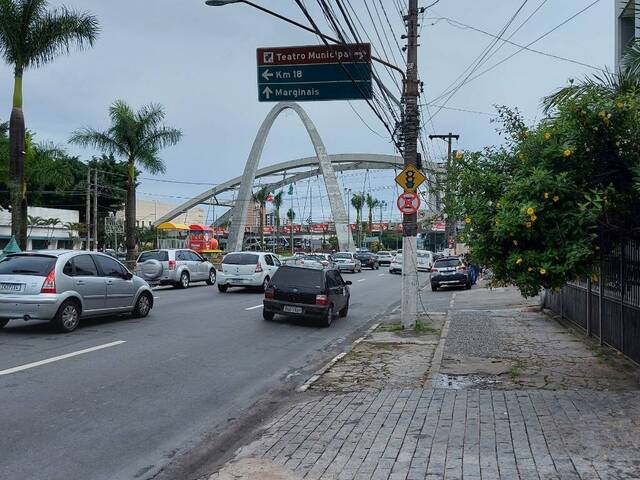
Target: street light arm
(311,30)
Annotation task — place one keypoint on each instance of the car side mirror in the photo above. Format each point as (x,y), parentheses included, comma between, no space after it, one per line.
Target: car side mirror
(348,282)
(128,276)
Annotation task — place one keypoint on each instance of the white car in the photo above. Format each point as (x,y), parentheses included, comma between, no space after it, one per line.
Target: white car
(247,269)
(346,261)
(396,264)
(425,260)
(384,258)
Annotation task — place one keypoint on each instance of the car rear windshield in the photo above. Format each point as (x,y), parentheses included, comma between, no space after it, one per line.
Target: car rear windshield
(159,255)
(241,259)
(36,265)
(342,255)
(447,262)
(298,277)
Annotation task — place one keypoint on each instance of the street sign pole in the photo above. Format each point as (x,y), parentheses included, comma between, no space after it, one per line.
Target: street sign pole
(410,127)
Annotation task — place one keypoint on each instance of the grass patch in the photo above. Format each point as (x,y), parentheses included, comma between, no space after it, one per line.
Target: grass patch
(390,327)
(428,329)
(515,371)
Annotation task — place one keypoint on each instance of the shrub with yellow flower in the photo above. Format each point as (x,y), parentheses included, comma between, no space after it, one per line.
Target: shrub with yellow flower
(567,152)
(543,271)
(556,199)
(534,218)
(528,224)
(530,211)
(515,242)
(467,220)
(547,135)
(519,261)
(546,195)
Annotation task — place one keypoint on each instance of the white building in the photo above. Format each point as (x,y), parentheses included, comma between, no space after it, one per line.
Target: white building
(42,236)
(627,25)
(147,212)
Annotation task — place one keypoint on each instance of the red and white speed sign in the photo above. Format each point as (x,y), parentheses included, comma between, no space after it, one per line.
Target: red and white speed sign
(408,203)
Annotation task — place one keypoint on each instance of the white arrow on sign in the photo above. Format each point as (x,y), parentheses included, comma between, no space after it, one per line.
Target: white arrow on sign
(267,92)
(267,75)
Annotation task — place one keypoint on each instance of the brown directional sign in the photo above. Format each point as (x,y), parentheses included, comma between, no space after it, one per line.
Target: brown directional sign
(314,72)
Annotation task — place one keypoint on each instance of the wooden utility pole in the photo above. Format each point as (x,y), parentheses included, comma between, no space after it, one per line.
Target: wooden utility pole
(450,223)
(88,211)
(410,132)
(95,210)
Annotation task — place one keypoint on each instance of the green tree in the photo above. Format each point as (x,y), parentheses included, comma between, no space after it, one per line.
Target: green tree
(34,221)
(260,197)
(372,203)
(51,224)
(291,216)
(357,201)
(277,204)
(138,138)
(31,36)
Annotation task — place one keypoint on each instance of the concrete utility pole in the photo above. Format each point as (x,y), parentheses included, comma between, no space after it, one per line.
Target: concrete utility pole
(88,211)
(95,210)
(410,130)
(450,225)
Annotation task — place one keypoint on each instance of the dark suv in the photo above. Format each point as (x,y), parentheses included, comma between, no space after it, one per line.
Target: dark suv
(368,260)
(318,293)
(449,271)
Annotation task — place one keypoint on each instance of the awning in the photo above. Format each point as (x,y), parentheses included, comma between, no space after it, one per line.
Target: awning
(199,227)
(172,226)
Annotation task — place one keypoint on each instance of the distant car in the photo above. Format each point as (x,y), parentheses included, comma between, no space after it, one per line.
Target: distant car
(347,261)
(368,260)
(448,272)
(425,260)
(247,269)
(314,259)
(384,258)
(317,293)
(63,286)
(177,267)
(396,264)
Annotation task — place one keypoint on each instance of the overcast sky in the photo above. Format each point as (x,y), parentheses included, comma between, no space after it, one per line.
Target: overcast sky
(199,62)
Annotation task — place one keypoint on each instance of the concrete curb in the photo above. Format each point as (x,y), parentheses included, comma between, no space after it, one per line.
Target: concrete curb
(436,361)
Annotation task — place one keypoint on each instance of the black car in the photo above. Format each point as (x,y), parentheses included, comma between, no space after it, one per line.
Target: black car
(318,293)
(368,260)
(449,271)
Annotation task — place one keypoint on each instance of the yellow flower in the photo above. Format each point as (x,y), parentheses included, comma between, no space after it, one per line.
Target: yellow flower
(568,152)
(602,114)
(547,136)
(528,224)
(534,218)
(519,261)
(543,271)
(498,205)
(520,156)
(530,269)
(459,155)
(620,104)
(546,195)
(556,198)
(467,220)
(530,211)
(515,242)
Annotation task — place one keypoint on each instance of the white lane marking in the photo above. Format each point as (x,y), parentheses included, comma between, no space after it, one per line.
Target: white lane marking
(253,308)
(362,280)
(381,274)
(156,298)
(9,371)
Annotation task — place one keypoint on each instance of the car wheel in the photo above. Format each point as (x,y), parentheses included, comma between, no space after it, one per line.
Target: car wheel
(265,283)
(67,318)
(326,321)
(212,277)
(222,288)
(434,288)
(3,323)
(184,280)
(143,305)
(268,316)
(345,311)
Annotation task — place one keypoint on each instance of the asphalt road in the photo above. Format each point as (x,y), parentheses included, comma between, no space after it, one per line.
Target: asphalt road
(123,411)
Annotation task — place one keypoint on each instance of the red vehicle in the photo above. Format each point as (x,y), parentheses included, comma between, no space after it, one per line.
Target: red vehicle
(202,239)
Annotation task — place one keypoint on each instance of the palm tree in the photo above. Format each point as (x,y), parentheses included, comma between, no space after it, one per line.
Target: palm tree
(260,197)
(51,224)
(34,221)
(291,216)
(357,201)
(31,36)
(277,204)
(137,137)
(74,227)
(372,203)
(607,84)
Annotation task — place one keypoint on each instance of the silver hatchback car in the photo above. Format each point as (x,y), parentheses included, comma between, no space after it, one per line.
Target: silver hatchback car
(64,285)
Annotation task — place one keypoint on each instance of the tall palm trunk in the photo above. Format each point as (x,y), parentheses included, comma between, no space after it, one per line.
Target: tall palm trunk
(370,218)
(277,230)
(261,226)
(16,165)
(130,213)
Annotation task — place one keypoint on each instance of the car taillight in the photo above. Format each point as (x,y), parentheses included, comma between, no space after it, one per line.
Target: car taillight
(269,293)
(172,264)
(322,299)
(258,267)
(49,285)
(434,270)
(462,269)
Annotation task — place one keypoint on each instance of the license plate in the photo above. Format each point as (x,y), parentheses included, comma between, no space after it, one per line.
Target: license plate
(290,309)
(10,287)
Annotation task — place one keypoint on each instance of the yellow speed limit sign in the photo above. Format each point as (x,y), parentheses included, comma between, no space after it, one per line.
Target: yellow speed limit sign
(410,178)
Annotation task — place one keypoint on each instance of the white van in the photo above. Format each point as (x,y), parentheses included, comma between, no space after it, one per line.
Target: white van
(425,260)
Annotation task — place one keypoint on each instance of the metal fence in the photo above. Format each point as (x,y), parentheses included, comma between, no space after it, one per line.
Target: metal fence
(606,307)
